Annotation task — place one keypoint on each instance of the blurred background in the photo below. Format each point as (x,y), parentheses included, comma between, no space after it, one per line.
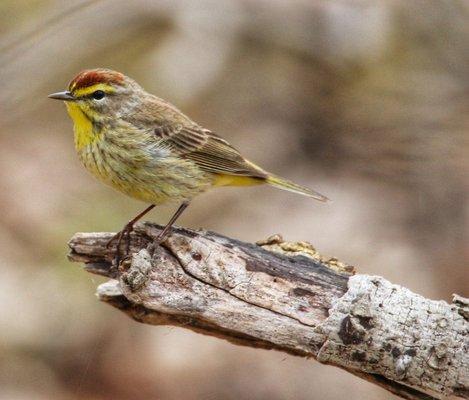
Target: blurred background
(365,101)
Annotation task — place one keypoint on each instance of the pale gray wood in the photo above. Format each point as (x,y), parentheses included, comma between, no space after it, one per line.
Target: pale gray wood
(286,296)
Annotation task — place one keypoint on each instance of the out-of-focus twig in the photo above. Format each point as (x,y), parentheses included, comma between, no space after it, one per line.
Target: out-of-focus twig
(28,38)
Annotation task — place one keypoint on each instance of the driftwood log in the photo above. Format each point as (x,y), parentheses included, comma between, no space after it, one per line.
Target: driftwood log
(285,296)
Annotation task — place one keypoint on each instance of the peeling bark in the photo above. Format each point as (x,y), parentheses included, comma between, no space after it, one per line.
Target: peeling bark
(285,296)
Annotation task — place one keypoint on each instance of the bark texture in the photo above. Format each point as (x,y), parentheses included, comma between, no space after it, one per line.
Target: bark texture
(286,296)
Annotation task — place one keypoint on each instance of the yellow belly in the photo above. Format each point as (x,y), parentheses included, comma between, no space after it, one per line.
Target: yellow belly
(152,180)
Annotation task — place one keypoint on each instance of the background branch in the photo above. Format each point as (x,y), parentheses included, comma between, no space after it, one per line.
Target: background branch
(286,296)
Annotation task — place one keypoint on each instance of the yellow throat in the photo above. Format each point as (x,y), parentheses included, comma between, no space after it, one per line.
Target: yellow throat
(82,126)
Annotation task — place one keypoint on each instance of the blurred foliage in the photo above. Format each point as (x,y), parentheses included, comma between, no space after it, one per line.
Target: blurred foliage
(367,101)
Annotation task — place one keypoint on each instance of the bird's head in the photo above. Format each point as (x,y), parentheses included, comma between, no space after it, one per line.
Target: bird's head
(100,94)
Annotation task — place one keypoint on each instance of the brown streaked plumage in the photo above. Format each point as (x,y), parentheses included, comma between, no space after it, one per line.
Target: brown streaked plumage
(146,148)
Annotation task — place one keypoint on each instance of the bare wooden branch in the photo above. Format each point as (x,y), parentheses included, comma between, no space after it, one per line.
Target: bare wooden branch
(285,296)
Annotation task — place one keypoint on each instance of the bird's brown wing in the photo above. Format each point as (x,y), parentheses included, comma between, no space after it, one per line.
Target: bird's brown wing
(208,150)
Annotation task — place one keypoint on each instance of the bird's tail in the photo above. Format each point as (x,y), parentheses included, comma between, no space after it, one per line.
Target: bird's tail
(284,184)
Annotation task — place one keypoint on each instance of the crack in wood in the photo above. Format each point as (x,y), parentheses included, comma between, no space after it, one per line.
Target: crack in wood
(165,245)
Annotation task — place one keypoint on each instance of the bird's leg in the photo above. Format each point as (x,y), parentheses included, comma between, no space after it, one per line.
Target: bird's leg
(125,232)
(162,235)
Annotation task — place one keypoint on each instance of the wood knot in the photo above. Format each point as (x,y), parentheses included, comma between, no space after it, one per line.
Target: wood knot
(351,332)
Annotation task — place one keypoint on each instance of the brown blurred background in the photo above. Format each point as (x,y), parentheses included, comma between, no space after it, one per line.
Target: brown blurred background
(365,101)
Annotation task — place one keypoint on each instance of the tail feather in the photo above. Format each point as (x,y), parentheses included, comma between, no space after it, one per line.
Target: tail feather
(284,184)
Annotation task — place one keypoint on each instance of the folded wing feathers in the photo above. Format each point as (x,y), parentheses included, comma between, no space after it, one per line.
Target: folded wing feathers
(211,152)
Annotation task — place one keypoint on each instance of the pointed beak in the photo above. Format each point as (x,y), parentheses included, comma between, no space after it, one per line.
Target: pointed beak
(65,96)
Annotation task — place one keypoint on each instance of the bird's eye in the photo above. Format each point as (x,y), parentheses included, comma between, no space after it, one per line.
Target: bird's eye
(98,95)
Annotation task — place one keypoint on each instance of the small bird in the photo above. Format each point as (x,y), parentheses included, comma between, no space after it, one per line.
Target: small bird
(146,148)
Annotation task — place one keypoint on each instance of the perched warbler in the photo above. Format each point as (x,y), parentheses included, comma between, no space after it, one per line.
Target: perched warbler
(146,148)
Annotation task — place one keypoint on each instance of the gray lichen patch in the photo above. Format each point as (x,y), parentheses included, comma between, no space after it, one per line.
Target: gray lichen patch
(276,244)
(138,273)
(385,329)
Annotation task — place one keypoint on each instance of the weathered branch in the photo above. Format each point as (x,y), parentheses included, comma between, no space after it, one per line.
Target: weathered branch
(285,296)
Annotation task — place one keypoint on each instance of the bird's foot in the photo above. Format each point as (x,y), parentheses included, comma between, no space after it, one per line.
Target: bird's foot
(156,243)
(119,256)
